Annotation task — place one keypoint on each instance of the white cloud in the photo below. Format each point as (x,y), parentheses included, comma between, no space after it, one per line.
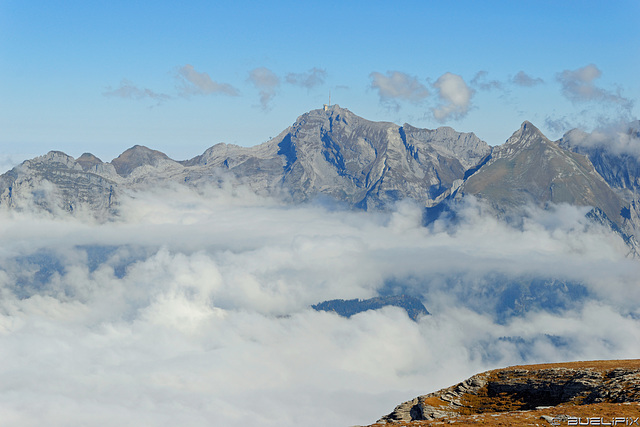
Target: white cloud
(455,97)
(200,83)
(195,308)
(266,81)
(396,85)
(579,86)
(312,78)
(617,139)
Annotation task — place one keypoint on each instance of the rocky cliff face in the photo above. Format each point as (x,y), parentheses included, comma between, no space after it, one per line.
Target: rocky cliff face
(372,164)
(523,388)
(57,183)
(329,152)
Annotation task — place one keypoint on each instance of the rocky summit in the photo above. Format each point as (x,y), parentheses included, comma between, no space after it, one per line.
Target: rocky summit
(519,395)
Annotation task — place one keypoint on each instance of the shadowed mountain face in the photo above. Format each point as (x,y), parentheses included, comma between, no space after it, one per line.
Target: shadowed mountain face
(348,308)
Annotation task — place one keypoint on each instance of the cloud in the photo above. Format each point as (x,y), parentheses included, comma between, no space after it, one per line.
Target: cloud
(480,81)
(557,125)
(455,98)
(266,81)
(193,307)
(6,163)
(579,86)
(621,138)
(396,85)
(197,83)
(129,90)
(312,78)
(523,79)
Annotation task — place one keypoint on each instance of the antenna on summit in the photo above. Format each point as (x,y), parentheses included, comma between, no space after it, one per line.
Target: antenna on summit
(326,106)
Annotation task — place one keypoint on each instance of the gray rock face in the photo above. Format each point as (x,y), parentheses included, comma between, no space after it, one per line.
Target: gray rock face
(57,183)
(371,164)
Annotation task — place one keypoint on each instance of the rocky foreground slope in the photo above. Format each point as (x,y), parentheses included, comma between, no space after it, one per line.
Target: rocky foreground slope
(529,395)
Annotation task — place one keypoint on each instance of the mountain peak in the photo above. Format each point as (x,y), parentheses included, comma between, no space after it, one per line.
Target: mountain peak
(88,160)
(527,128)
(527,134)
(137,156)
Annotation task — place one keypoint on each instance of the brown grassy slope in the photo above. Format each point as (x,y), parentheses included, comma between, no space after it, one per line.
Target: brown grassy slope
(607,411)
(515,395)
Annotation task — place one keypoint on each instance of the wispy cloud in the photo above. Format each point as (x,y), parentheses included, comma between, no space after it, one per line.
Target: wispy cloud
(396,85)
(129,90)
(455,97)
(200,83)
(310,79)
(481,81)
(579,86)
(523,79)
(266,81)
(557,125)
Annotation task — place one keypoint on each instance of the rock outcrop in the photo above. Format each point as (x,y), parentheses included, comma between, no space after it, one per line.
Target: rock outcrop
(523,388)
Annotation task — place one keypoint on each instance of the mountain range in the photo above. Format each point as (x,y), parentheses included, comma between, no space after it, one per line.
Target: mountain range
(333,153)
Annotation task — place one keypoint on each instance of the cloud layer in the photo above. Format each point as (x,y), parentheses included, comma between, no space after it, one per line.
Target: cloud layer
(194,308)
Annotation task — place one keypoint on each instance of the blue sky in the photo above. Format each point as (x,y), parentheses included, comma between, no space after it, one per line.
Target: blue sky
(101,76)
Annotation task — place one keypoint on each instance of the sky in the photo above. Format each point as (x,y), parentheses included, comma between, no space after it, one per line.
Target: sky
(101,77)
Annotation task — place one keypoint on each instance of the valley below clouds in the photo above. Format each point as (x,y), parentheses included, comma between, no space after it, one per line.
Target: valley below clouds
(194,307)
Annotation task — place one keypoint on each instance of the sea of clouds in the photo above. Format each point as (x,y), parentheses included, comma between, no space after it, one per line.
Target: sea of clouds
(193,308)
